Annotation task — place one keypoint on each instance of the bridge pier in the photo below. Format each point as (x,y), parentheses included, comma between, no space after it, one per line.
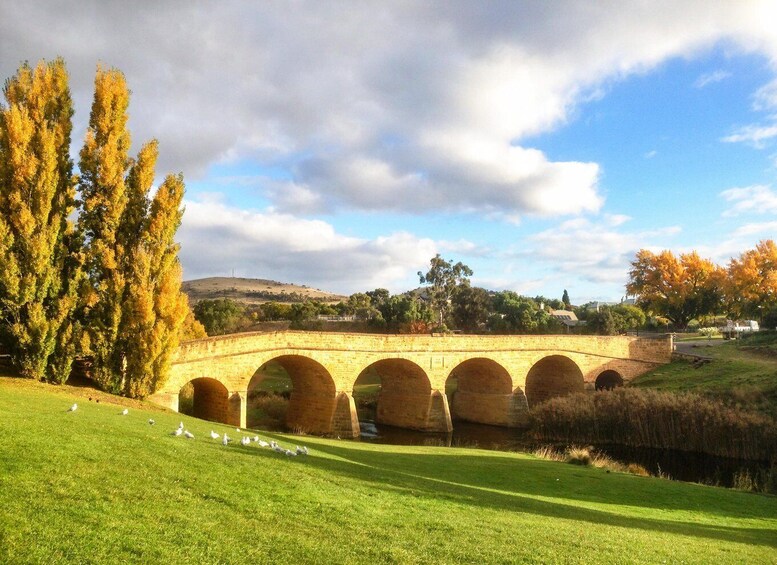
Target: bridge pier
(345,421)
(423,412)
(236,411)
(311,412)
(165,400)
(506,410)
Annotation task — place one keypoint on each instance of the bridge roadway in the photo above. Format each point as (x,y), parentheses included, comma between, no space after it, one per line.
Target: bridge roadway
(498,378)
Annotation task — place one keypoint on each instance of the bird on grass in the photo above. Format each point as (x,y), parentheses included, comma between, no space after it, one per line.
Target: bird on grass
(177,432)
(263,443)
(225,440)
(214,435)
(73,408)
(302,450)
(180,426)
(124,412)
(290,453)
(245,441)
(151,421)
(256,438)
(188,434)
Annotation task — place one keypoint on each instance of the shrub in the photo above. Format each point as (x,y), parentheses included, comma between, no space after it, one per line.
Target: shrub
(579,456)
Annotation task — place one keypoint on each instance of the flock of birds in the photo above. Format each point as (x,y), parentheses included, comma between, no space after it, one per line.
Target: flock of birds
(225,439)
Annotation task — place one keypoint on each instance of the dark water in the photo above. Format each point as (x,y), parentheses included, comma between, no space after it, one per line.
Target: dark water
(678,465)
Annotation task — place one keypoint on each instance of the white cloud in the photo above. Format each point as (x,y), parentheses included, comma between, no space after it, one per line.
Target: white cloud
(591,250)
(765,97)
(758,199)
(216,238)
(651,154)
(711,78)
(766,229)
(408,107)
(755,135)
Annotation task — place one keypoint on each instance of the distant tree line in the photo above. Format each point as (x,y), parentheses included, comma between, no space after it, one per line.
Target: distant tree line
(88,262)
(446,302)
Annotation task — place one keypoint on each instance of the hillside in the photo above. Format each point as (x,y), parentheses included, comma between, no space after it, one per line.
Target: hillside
(741,371)
(253,291)
(96,486)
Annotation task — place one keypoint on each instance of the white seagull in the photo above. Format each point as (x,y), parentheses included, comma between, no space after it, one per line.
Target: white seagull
(73,408)
(177,432)
(302,450)
(124,412)
(246,440)
(214,435)
(188,434)
(180,426)
(151,421)
(256,438)
(263,443)
(225,440)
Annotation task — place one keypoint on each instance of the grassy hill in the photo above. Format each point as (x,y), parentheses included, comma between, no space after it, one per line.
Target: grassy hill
(742,372)
(253,291)
(95,486)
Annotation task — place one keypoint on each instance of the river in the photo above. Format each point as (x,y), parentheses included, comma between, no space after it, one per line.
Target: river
(678,465)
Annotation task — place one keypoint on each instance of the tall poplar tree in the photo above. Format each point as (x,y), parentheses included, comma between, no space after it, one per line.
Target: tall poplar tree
(136,308)
(39,260)
(103,166)
(155,307)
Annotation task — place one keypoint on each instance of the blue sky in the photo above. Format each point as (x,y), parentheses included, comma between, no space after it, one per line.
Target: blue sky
(341,145)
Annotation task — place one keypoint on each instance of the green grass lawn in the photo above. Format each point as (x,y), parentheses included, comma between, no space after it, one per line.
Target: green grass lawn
(92,486)
(743,371)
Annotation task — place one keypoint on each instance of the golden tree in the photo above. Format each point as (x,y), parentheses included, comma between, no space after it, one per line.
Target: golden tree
(103,166)
(155,307)
(752,281)
(39,260)
(135,308)
(678,288)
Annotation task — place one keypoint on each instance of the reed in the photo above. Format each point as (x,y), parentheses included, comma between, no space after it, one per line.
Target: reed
(650,418)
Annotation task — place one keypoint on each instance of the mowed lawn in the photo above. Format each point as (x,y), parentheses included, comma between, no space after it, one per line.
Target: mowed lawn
(93,486)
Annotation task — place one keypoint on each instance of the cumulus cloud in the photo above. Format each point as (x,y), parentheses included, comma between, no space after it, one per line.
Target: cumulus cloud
(758,199)
(414,107)
(216,238)
(593,251)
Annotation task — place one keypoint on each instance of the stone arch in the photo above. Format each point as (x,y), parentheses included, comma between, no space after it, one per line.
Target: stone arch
(312,399)
(552,376)
(210,400)
(484,393)
(405,398)
(609,380)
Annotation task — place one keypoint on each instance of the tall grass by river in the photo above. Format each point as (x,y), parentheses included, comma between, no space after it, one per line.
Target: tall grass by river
(650,418)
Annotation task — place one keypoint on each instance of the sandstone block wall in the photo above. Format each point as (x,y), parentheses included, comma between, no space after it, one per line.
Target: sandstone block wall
(492,371)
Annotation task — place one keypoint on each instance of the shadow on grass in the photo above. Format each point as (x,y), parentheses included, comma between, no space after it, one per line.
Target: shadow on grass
(510,484)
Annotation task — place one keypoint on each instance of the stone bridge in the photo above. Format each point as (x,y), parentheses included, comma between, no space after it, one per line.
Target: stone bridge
(498,378)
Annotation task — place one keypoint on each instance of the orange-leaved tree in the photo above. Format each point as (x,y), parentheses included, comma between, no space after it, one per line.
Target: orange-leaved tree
(752,281)
(677,288)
